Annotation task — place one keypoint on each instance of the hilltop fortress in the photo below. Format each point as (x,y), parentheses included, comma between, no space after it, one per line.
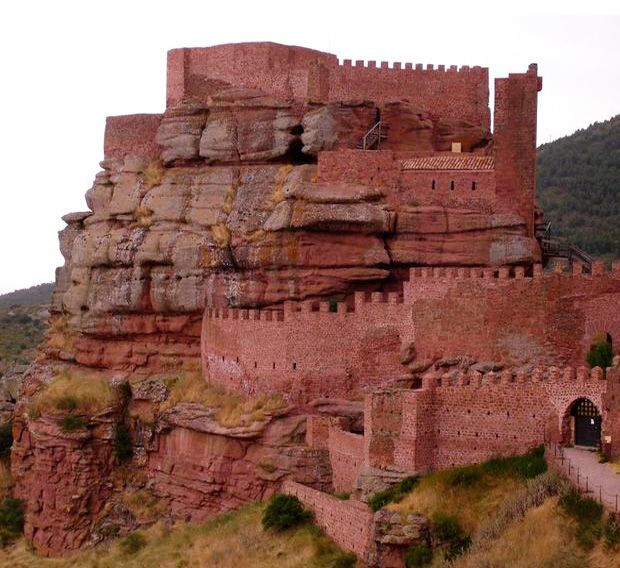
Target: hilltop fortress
(353,237)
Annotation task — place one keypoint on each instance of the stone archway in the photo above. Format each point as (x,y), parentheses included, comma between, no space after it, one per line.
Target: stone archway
(581,425)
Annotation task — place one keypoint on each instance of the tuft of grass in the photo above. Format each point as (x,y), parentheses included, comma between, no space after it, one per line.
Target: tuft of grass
(154,174)
(143,216)
(133,542)
(221,235)
(72,392)
(393,494)
(231,409)
(59,334)
(342,495)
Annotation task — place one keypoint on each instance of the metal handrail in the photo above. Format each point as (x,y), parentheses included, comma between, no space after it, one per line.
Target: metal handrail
(377,128)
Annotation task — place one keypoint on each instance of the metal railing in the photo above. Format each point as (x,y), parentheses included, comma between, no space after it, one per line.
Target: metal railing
(583,482)
(372,137)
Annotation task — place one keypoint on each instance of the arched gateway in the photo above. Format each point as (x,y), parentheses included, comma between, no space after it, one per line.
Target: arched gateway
(587,423)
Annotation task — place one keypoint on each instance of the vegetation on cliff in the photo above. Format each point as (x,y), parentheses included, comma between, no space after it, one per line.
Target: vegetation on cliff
(578,179)
(21,330)
(227,541)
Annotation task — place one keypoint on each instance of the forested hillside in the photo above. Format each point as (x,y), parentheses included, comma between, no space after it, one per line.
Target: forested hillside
(579,187)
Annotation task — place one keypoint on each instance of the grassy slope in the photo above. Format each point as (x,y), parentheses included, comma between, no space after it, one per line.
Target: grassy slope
(21,330)
(578,179)
(227,541)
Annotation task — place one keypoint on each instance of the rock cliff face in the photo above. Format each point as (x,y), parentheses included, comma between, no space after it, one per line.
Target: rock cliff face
(221,201)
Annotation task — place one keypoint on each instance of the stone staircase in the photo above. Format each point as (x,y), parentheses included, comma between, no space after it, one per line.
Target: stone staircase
(372,139)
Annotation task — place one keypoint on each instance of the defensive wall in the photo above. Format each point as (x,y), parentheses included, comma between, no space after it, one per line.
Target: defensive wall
(349,523)
(290,72)
(458,418)
(306,351)
(512,315)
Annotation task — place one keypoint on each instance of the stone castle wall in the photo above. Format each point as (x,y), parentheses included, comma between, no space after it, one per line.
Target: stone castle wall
(306,354)
(504,315)
(348,523)
(289,72)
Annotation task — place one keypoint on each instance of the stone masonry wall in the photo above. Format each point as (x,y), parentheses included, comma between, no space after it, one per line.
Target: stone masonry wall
(346,455)
(299,73)
(307,354)
(349,523)
(471,418)
(504,315)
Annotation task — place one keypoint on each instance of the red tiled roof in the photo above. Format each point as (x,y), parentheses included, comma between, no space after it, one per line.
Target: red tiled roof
(452,162)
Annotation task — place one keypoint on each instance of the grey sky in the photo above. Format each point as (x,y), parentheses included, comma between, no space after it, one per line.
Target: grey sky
(66,65)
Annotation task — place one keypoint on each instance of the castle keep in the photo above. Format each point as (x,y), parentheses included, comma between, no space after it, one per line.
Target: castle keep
(352,236)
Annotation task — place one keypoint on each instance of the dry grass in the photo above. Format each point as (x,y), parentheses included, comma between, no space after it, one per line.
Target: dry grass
(614,465)
(143,217)
(154,174)
(6,481)
(232,409)
(542,539)
(70,391)
(228,541)
(472,503)
(221,235)
(143,504)
(59,335)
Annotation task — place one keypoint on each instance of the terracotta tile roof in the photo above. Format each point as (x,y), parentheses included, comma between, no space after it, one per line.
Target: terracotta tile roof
(451,162)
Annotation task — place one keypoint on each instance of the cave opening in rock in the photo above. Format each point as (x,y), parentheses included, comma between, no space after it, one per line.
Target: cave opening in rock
(294,155)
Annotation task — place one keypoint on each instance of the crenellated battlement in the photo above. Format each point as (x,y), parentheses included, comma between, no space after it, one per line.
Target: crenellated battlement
(475,379)
(415,67)
(510,272)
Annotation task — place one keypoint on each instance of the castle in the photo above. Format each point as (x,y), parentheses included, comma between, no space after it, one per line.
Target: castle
(350,236)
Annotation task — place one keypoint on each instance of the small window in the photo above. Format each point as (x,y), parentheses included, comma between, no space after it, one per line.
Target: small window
(451,186)
(255,364)
(274,366)
(433,184)
(473,186)
(222,357)
(294,366)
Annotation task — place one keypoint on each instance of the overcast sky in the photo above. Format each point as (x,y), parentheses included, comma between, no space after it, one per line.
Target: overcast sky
(66,65)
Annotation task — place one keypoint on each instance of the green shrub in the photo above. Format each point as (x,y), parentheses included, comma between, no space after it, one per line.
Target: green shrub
(527,466)
(588,515)
(11,519)
(447,530)
(67,403)
(132,543)
(418,555)
(333,305)
(342,495)
(6,438)
(123,446)
(70,423)
(344,560)
(601,353)
(611,533)
(392,494)
(464,476)
(283,512)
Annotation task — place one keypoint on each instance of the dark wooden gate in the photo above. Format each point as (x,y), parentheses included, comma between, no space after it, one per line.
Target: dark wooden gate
(587,423)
